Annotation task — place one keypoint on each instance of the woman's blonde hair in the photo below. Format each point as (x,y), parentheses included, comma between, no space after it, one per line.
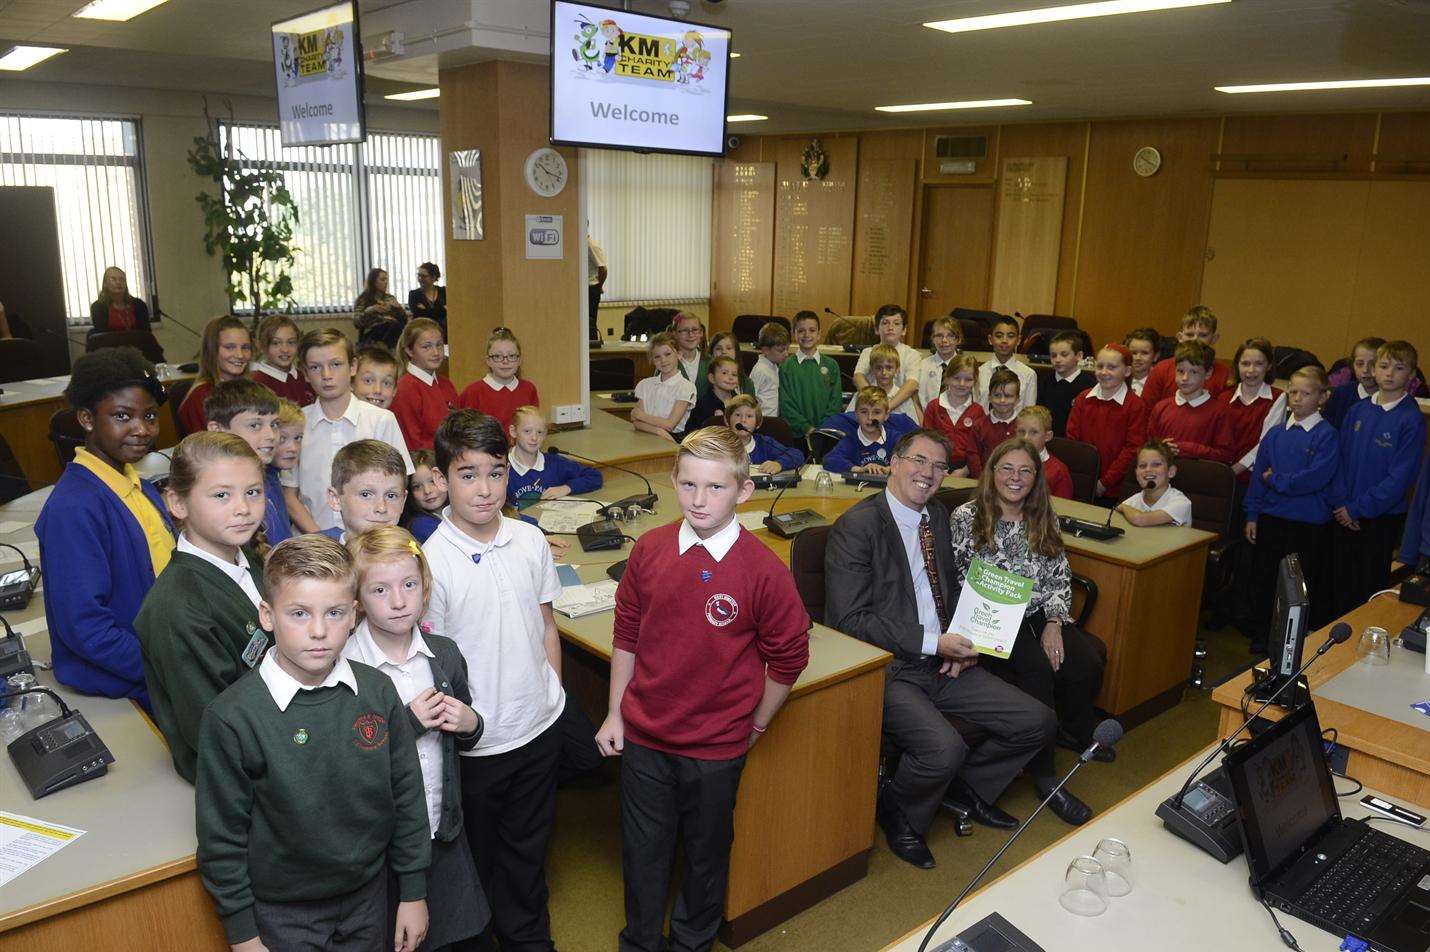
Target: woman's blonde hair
(1039,520)
(389,544)
(414,329)
(198,450)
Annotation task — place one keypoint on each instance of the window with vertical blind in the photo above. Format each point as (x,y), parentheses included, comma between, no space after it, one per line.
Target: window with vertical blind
(374,204)
(651,216)
(95,166)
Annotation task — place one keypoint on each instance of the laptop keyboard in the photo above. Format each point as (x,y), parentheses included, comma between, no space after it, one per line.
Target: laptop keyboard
(1357,887)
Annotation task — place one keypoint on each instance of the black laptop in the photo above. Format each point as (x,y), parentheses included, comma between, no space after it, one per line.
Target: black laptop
(1341,875)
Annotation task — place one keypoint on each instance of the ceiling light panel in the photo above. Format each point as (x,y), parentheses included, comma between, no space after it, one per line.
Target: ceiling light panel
(23,57)
(941,106)
(1075,11)
(117,10)
(1332,84)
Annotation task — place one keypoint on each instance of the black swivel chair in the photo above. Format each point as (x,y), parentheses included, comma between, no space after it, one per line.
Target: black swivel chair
(177,392)
(66,434)
(776,427)
(19,356)
(746,327)
(13,483)
(820,442)
(143,341)
(1084,464)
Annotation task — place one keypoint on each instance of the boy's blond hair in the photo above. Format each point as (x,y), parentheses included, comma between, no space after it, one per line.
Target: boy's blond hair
(744,400)
(311,556)
(1401,350)
(883,354)
(1194,352)
(871,396)
(1314,374)
(323,337)
(290,414)
(773,334)
(389,544)
(527,410)
(716,443)
(1039,413)
(1199,316)
(366,456)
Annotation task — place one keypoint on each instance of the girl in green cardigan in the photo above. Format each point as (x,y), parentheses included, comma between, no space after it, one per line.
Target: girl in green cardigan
(198,627)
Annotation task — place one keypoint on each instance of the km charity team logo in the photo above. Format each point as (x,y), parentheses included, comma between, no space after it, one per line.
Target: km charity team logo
(606,47)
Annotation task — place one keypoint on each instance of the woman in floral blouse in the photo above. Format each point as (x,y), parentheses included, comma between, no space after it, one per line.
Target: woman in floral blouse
(1010,523)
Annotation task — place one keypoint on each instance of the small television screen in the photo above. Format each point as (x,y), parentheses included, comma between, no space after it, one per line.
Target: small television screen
(317,57)
(626,81)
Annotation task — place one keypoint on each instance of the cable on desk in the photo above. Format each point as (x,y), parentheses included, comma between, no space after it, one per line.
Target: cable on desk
(1350,793)
(1372,817)
(1287,938)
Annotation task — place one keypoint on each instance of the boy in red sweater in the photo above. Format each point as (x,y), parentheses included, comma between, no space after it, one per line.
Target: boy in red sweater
(1035,424)
(500,392)
(710,636)
(1198,324)
(978,441)
(1111,417)
(423,397)
(1192,423)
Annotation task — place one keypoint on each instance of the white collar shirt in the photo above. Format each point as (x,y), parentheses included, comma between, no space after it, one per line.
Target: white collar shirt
(428,378)
(1198,400)
(495,384)
(1118,396)
(868,442)
(908,520)
(1387,407)
(1307,424)
(263,367)
(322,438)
(237,571)
(283,687)
(718,545)
(1264,392)
(521,469)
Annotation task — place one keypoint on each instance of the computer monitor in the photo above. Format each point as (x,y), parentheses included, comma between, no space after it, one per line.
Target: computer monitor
(1287,635)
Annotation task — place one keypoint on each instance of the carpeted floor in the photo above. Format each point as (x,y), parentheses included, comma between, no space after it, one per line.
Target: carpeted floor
(585,874)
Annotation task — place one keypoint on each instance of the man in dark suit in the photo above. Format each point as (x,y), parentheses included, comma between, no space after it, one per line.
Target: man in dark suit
(890,578)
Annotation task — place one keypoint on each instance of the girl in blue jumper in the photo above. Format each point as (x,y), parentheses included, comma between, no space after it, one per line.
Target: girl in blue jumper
(536,475)
(106,528)
(426,496)
(767,454)
(1382,437)
(1287,504)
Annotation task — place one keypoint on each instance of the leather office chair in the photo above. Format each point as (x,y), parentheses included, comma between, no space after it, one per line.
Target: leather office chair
(846,364)
(953,497)
(13,483)
(1051,322)
(777,428)
(19,356)
(1083,462)
(746,327)
(820,442)
(613,373)
(177,392)
(66,434)
(747,359)
(143,341)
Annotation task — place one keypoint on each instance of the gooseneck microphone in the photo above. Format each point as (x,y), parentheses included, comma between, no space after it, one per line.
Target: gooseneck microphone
(646,501)
(1108,733)
(1340,633)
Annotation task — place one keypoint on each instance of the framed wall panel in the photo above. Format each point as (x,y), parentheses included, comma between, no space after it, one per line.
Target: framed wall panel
(742,243)
(1028,243)
(882,233)
(814,228)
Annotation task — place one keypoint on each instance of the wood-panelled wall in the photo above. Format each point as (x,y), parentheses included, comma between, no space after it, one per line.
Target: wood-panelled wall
(1133,250)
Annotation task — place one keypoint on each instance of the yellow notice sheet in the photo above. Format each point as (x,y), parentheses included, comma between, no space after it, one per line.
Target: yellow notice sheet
(24,841)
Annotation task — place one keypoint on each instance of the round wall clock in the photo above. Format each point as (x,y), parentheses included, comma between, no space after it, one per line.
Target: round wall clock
(1146,161)
(546,172)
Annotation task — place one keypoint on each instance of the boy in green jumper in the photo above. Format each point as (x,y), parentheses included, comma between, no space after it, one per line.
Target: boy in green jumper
(810,387)
(308,780)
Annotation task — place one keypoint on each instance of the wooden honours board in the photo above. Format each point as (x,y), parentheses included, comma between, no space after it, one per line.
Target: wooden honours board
(881,239)
(743,241)
(814,228)
(1029,234)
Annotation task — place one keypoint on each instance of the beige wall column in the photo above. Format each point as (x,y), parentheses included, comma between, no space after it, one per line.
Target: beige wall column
(502,108)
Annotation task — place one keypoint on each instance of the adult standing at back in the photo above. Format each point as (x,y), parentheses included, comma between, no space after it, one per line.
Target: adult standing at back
(596,272)
(429,299)
(116,309)
(890,580)
(377,315)
(1010,523)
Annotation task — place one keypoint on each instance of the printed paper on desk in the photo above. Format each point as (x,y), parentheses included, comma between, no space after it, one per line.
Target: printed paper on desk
(576,601)
(25,841)
(991,608)
(568,517)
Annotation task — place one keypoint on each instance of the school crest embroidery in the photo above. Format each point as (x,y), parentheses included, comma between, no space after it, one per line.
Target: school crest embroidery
(721,609)
(300,737)
(370,731)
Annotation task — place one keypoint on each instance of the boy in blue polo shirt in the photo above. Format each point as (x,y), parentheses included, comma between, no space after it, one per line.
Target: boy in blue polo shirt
(1381,437)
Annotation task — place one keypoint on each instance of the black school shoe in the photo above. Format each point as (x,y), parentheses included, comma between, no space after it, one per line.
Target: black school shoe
(903,841)
(1069,808)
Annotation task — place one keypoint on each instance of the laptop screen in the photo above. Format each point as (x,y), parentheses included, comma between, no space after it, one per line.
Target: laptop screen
(1283,790)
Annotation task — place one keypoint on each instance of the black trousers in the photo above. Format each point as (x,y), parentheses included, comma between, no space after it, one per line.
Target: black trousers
(1071,691)
(916,698)
(668,799)
(356,922)
(509,808)
(1277,538)
(579,753)
(593,302)
(1360,561)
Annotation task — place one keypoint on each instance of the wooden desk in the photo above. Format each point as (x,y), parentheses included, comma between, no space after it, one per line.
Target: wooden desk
(131,881)
(1181,896)
(25,410)
(1389,748)
(804,820)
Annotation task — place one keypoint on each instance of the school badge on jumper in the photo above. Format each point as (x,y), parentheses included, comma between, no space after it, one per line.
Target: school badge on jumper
(721,609)
(706,575)
(300,737)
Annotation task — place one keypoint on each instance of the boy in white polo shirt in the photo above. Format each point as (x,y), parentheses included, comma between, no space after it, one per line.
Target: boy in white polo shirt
(336,419)
(1159,503)
(493,583)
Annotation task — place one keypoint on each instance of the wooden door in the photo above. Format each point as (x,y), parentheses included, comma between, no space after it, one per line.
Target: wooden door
(957,242)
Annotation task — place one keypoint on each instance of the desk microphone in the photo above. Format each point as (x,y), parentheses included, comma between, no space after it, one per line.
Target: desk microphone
(832,313)
(1151,483)
(1340,633)
(646,501)
(1108,733)
(17,588)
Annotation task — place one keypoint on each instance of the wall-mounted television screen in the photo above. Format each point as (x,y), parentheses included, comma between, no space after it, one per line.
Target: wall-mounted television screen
(627,81)
(318,60)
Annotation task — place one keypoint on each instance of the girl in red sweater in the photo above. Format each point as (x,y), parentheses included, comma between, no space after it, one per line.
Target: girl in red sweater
(276,366)
(955,410)
(1253,405)
(224,355)
(423,398)
(1111,417)
(501,391)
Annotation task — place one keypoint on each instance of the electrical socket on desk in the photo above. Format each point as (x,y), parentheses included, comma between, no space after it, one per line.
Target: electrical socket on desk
(1336,757)
(569,413)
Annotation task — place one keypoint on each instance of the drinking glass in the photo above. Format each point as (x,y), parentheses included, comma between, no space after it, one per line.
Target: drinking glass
(11,725)
(1084,888)
(616,514)
(1116,859)
(1374,647)
(633,512)
(824,482)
